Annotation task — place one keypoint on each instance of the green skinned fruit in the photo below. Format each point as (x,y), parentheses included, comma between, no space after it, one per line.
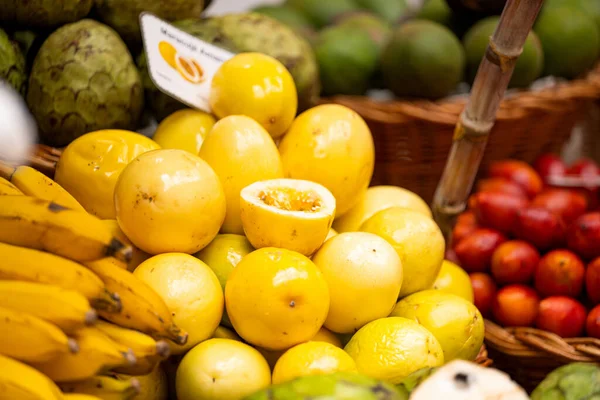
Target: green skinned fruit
(377,28)
(390,10)
(529,65)
(290,17)
(123,16)
(12,63)
(411,382)
(83,79)
(42,13)
(575,381)
(323,12)
(247,32)
(337,386)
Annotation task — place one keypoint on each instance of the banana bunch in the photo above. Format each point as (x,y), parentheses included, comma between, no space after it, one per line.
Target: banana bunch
(61,271)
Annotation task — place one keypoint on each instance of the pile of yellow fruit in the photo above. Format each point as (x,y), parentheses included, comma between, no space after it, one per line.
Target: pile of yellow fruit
(248,246)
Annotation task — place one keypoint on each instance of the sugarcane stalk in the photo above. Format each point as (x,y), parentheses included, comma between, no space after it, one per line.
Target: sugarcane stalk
(477,119)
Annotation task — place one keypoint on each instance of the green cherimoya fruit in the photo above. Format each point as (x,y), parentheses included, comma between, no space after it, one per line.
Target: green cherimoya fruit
(348,59)
(123,16)
(42,13)
(423,59)
(83,79)
(323,12)
(247,32)
(290,17)
(337,386)
(12,63)
(529,65)
(575,381)
(391,10)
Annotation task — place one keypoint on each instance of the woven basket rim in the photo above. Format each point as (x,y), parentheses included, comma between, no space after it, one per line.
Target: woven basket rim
(561,97)
(528,343)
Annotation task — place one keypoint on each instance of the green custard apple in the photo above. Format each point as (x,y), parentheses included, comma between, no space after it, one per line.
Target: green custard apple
(42,13)
(12,63)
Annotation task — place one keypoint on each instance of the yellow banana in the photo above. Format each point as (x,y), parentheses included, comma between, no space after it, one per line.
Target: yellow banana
(33,183)
(8,189)
(147,351)
(104,387)
(39,224)
(97,354)
(31,339)
(67,309)
(142,308)
(80,396)
(138,256)
(20,381)
(23,264)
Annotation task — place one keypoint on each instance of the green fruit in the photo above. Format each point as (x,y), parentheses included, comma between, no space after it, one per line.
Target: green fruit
(124,16)
(529,65)
(337,386)
(348,59)
(377,28)
(436,11)
(83,79)
(590,7)
(455,322)
(323,12)
(411,382)
(12,63)
(423,59)
(290,17)
(391,10)
(571,382)
(243,33)
(570,39)
(42,13)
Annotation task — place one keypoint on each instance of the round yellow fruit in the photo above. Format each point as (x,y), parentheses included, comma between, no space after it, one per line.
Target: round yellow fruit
(392,348)
(379,198)
(138,256)
(276,298)
(288,213)
(311,358)
(184,130)
(169,201)
(455,322)
(240,152)
(418,241)
(221,369)
(153,386)
(256,85)
(454,280)
(322,336)
(332,145)
(90,166)
(191,291)
(364,275)
(225,333)
(224,253)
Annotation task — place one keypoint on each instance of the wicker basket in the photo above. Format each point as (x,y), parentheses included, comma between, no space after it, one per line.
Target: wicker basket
(413,138)
(528,355)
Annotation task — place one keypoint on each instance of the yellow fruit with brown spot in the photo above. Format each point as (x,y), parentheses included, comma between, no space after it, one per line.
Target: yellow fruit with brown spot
(190,290)
(90,166)
(364,274)
(332,145)
(379,198)
(276,298)
(241,152)
(169,201)
(184,130)
(417,240)
(256,85)
(392,348)
(221,369)
(291,214)
(312,358)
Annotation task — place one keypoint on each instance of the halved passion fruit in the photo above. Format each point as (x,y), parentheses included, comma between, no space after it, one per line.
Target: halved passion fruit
(292,214)
(189,69)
